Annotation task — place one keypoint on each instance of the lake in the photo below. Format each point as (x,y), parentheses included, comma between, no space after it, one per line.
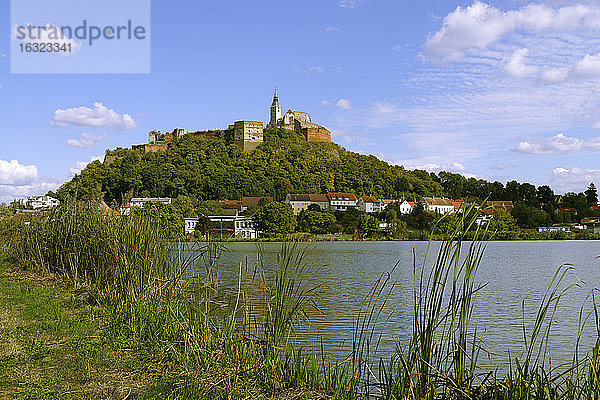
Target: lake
(344,273)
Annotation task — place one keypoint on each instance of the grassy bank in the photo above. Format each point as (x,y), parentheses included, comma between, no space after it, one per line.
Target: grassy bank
(100,307)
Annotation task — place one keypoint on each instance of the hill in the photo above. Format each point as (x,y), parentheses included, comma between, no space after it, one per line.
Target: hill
(211,167)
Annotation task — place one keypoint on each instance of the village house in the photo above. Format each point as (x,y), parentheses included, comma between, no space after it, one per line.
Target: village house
(140,201)
(229,224)
(40,202)
(369,204)
(459,207)
(438,205)
(385,203)
(342,201)
(248,201)
(300,202)
(406,207)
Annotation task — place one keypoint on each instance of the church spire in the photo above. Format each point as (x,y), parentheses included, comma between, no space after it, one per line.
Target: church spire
(275,110)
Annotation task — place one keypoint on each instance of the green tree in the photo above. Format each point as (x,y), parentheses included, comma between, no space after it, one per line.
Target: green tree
(184,206)
(368,224)
(275,218)
(591,195)
(527,216)
(315,221)
(165,215)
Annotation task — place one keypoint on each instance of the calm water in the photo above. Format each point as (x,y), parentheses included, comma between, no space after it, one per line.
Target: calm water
(513,272)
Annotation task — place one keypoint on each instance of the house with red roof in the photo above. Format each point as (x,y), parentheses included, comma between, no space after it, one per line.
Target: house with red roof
(342,201)
(369,204)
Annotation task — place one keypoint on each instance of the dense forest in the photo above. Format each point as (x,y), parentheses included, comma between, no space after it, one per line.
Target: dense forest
(210,167)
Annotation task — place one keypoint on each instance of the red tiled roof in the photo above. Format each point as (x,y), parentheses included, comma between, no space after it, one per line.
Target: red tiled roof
(317,198)
(249,200)
(458,205)
(337,196)
(370,199)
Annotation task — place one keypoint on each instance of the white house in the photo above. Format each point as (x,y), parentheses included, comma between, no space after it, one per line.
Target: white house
(406,207)
(438,205)
(140,201)
(369,204)
(342,201)
(40,202)
(231,225)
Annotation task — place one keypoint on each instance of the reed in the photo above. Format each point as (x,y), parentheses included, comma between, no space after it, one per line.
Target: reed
(165,301)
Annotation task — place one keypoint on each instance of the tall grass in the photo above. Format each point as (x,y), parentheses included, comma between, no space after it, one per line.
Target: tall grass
(202,339)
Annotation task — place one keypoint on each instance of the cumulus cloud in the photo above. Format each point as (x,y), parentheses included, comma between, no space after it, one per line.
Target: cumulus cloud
(332,29)
(13,173)
(435,167)
(574,179)
(98,117)
(344,104)
(2,55)
(480,25)
(80,165)
(559,144)
(10,193)
(515,66)
(325,103)
(87,141)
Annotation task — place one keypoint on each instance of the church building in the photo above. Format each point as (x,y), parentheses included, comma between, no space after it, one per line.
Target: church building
(297,121)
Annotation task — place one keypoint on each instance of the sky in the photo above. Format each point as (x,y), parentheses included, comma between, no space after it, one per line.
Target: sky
(498,90)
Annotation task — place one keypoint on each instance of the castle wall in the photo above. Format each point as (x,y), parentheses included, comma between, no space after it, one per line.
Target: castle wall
(248,134)
(316,134)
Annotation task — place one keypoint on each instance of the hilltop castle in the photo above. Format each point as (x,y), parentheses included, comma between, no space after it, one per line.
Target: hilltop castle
(297,121)
(249,134)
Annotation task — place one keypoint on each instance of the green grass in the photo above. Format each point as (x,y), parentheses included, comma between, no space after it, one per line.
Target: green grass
(139,317)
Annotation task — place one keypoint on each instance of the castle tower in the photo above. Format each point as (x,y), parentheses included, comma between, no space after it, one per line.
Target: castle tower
(275,110)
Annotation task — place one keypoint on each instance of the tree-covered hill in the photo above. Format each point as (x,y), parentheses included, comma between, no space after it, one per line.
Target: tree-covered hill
(211,168)
(207,166)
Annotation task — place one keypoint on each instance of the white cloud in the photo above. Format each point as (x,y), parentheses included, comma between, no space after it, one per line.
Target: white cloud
(316,68)
(481,25)
(13,173)
(434,167)
(515,65)
(325,103)
(332,29)
(87,141)
(349,3)
(586,68)
(48,33)
(2,55)
(560,144)
(10,193)
(574,179)
(344,104)
(98,117)
(80,165)
(499,166)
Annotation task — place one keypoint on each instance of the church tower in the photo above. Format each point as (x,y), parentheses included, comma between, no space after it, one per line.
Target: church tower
(275,110)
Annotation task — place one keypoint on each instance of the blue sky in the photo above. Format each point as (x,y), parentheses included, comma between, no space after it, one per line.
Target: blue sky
(499,90)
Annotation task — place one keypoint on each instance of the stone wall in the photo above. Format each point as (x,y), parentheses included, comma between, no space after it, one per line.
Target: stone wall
(248,134)
(316,134)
